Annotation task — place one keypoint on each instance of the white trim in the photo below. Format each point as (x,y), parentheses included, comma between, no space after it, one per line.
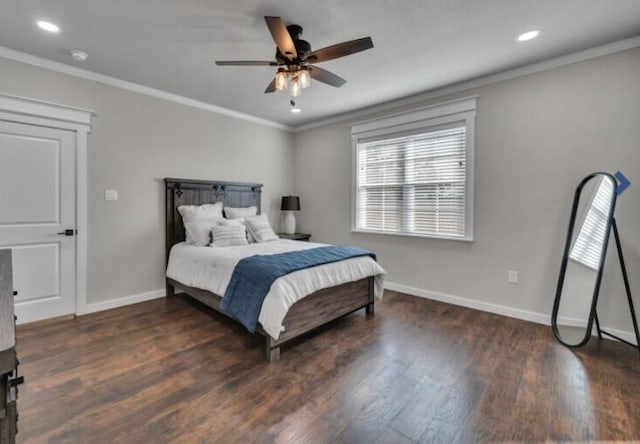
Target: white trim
(626,335)
(470,175)
(576,57)
(463,109)
(403,234)
(130,86)
(37,112)
(420,114)
(517,313)
(43,109)
(82,222)
(95,307)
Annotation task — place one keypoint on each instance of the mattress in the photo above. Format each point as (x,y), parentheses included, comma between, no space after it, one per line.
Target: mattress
(210,269)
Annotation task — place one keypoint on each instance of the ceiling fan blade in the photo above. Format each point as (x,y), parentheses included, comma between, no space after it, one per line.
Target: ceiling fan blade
(271,87)
(245,63)
(281,37)
(339,50)
(324,76)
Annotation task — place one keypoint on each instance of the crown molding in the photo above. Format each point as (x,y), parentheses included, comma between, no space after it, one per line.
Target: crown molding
(130,86)
(456,106)
(591,53)
(43,109)
(557,62)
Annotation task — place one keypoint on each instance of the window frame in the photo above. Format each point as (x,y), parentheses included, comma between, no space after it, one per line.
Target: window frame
(424,118)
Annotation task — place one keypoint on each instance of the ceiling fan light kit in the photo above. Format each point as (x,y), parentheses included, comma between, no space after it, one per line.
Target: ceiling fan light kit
(296,61)
(282,79)
(305,77)
(298,77)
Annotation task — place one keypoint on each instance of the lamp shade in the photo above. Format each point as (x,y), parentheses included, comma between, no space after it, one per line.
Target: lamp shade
(290,203)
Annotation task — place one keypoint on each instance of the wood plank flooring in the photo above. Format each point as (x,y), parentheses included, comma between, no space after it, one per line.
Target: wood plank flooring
(419,371)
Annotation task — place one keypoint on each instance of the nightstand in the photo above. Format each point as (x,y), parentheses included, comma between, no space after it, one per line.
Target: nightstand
(296,236)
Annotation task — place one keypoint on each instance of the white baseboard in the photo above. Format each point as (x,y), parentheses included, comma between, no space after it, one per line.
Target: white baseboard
(538,318)
(511,312)
(626,335)
(121,302)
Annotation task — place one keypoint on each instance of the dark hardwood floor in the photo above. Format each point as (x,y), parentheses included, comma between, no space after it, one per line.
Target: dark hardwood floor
(419,371)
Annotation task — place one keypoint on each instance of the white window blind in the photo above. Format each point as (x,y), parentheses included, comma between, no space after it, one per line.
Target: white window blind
(587,248)
(414,183)
(413,172)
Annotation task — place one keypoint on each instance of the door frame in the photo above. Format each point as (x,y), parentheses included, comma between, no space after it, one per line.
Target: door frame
(28,111)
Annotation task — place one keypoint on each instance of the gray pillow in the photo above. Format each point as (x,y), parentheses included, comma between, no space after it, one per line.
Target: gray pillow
(228,235)
(260,228)
(235,213)
(239,221)
(191,213)
(198,231)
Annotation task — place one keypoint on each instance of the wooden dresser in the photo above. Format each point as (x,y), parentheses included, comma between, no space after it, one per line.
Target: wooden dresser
(9,379)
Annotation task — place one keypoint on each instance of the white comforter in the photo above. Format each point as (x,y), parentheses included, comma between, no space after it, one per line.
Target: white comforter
(211,268)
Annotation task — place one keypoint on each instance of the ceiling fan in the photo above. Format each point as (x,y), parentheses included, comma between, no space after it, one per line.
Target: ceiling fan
(296,61)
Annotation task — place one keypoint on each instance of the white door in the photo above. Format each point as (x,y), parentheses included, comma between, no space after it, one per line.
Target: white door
(37,203)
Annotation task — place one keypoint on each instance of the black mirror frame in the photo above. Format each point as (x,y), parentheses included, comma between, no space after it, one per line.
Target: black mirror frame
(565,258)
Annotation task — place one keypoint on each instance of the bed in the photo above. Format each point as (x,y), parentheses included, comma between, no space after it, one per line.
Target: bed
(306,314)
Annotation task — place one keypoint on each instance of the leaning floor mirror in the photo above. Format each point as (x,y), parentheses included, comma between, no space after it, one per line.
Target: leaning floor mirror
(592,221)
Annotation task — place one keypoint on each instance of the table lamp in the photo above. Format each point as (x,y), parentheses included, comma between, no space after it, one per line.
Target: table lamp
(289,205)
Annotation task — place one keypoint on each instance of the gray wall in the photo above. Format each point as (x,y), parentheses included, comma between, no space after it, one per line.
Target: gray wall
(536,137)
(135,142)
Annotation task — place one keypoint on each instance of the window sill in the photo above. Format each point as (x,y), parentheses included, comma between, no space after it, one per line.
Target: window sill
(423,236)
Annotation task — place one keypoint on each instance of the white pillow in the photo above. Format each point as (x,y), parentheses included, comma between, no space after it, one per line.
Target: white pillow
(199,231)
(228,235)
(260,229)
(191,213)
(235,213)
(239,221)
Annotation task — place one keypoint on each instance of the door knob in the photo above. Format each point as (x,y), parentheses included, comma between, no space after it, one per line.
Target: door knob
(67,232)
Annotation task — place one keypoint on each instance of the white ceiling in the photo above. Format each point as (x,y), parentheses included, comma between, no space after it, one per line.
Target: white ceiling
(419,44)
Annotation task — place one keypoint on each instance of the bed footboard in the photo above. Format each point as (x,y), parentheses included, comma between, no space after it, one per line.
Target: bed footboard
(304,316)
(320,308)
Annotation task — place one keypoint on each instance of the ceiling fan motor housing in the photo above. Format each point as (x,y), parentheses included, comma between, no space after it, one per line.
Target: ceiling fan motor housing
(302,47)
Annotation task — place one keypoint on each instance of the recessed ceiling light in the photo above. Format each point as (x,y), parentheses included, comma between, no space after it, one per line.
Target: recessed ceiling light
(295,110)
(529,35)
(47,26)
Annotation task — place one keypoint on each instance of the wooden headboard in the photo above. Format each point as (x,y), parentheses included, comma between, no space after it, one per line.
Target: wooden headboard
(198,192)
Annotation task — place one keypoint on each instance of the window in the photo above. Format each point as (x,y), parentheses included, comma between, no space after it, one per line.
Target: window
(414,172)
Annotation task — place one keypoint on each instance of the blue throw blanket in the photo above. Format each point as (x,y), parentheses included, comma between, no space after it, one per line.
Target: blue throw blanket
(252,277)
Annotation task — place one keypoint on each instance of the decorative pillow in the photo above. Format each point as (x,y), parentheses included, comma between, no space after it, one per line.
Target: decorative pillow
(191,213)
(260,229)
(239,221)
(199,231)
(228,235)
(235,213)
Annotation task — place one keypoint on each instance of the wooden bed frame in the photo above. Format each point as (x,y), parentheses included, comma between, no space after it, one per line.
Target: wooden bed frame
(305,315)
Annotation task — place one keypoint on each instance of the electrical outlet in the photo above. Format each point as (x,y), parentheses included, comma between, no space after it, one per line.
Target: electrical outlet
(512,276)
(110,194)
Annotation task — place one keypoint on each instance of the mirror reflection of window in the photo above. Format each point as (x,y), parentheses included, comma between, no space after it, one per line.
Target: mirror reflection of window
(587,248)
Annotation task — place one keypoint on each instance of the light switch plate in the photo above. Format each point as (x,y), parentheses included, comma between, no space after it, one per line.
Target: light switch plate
(110,194)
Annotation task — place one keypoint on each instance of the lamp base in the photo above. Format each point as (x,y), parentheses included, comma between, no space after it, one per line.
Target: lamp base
(289,223)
